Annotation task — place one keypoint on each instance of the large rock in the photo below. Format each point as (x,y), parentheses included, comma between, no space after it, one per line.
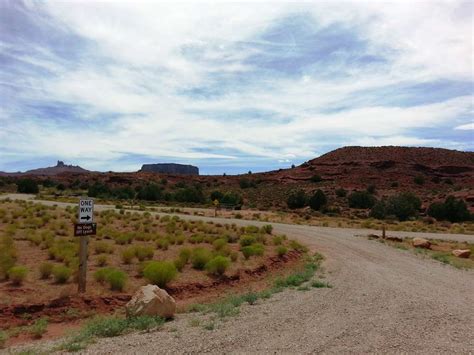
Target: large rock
(421,243)
(170,168)
(152,301)
(462,253)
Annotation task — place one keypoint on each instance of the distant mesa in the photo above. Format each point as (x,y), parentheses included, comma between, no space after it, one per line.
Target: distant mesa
(52,170)
(170,168)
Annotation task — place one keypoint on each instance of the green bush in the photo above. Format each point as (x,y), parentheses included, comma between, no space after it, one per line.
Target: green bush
(267,229)
(281,250)
(295,245)
(296,199)
(402,206)
(361,199)
(318,200)
(128,255)
(419,179)
(61,274)
(142,253)
(316,178)
(179,263)
(38,328)
(247,251)
(246,240)
(160,273)
(45,270)
(219,243)
(218,265)
(452,209)
(7,255)
(200,257)
(116,279)
(3,339)
(102,260)
(17,274)
(27,186)
(341,192)
(185,254)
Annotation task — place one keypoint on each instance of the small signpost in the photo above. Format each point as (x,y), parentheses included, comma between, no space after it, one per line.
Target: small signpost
(84,227)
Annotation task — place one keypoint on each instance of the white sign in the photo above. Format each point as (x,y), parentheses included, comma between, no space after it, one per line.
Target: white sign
(86,210)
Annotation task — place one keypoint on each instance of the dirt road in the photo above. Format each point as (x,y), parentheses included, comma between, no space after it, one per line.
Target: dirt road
(384,300)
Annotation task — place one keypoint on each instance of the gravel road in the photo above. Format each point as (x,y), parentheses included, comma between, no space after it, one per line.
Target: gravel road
(384,300)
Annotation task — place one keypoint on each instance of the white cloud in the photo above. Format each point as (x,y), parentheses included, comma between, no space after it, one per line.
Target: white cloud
(466,127)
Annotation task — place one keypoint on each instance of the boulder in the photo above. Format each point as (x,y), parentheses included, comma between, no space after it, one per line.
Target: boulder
(462,253)
(152,301)
(421,243)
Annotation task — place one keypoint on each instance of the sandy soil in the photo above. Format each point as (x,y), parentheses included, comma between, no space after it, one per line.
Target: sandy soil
(384,300)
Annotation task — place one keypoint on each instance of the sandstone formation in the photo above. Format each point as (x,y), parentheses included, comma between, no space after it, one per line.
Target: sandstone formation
(462,253)
(170,168)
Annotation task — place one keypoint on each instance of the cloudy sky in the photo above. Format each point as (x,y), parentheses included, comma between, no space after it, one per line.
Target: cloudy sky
(229,87)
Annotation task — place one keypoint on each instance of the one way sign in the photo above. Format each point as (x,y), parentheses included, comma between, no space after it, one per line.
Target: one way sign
(86,210)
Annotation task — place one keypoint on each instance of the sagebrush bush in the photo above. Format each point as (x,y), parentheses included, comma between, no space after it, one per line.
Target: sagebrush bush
(219,243)
(128,255)
(17,274)
(200,257)
(179,263)
(61,274)
(281,250)
(218,265)
(160,273)
(102,260)
(268,229)
(185,254)
(142,252)
(246,240)
(45,270)
(116,279)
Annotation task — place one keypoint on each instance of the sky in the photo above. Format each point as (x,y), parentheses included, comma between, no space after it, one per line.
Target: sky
(229,87)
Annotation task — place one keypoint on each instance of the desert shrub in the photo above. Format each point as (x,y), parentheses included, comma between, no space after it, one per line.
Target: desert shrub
(45,270)
(452,209)
(252,229)
(316,178)
(341,192)
(231,198)
(219,243)
(200,257)
(116,279)
(162,243)
(128,255)
(281,250)
(245,183)
(419,179)
(123,239)
(61,274)
(234,256)
(179,263)
(7,255)
(402,206)
(150,192)
(103,247)
(295,245)
(218,265)
(296,199)
(258,249)
(143,252)
(102,260)
(38,328)
(160,273)
(277,240)
(189,194)
(267,229)
(216,195)
(247,251)
(3,339)
(185,254)
(318,200)
(17,274)
(246,240)
(27,186)
(100,275)
(98,189)
(361,199)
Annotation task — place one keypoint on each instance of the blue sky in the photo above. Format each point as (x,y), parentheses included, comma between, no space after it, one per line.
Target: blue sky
(229,87)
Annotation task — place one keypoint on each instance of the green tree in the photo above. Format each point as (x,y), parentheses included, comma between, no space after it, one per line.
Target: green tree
(361,199)
(452,209)
(296,199)
(318,200)
(27,186)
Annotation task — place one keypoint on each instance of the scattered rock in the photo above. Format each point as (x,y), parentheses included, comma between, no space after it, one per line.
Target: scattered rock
(421,243)
(462,253)
(152,301)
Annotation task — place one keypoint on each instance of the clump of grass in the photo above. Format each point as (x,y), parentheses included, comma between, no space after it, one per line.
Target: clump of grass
(116,279)
(142,253)
(281,250)
(61,274)
(103,327)
(128,255)
(251,297)
(102,260)
(160,273)
(38,328)
(45,270)
(295,245)
(200,257)
(320,284)
(442,257)
(3,339)
(17,274)
(218,265)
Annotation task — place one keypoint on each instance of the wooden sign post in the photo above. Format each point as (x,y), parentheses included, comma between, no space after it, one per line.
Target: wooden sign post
(83,229)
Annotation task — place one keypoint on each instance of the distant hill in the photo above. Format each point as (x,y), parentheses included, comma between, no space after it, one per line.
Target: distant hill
(170,168)
(52,170)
